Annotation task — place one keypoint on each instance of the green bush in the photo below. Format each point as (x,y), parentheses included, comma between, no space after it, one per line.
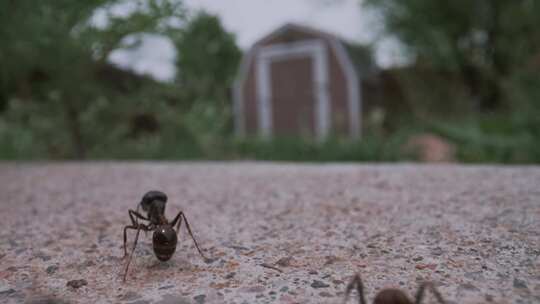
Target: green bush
(492,139)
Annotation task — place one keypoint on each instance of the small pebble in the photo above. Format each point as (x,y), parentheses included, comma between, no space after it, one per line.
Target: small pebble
(330,260)
(319,284)
(166,287)
(239,248)
(11,268)
(77,283)
(424,266)
(476,275)
(130,296)
(51,269)
(437,251)
(7,291)
(325,294)
(44,300)
(89,263)
(43,256)
(520,284)
(200,299)
(469,286)
(284,262)
(255,289)
(173,299)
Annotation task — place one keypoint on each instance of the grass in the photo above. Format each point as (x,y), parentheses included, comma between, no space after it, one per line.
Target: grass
(492,139)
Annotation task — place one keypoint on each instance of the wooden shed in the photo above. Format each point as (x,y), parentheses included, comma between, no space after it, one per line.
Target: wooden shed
(298,81)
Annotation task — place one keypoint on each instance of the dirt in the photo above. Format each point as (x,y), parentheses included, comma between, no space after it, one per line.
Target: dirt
(473,230)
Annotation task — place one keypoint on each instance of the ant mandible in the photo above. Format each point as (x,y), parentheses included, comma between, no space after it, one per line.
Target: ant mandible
(165,237)
(391,295)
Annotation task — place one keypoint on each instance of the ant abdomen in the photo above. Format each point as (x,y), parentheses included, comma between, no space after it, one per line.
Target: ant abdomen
(391,295)
(164,241)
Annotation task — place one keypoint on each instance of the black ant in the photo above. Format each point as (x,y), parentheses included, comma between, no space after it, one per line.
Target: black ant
(165,237)
(391,295)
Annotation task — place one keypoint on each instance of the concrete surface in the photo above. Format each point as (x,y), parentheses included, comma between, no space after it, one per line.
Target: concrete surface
(278,233)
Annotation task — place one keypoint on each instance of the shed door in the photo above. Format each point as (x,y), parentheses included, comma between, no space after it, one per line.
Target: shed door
(292,89)
(293,99)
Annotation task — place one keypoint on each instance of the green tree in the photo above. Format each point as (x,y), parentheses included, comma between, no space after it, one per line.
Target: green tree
(208,58)
(51,59)
(485,42)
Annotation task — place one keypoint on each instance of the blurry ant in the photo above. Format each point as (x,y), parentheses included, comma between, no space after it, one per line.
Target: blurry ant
(165,237)
(391,295)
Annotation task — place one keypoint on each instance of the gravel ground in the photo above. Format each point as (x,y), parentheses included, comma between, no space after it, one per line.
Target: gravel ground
(277,233)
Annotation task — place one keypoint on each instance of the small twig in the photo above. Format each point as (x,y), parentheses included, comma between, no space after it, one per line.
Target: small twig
(271,267)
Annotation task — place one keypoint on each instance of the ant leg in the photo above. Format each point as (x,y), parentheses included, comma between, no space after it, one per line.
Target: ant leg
(143,227)
(420,293)
(137,210)
(181,216)
(131,255)
(178,219)
(135,225)
(137,216)
(125,238)
(356,282)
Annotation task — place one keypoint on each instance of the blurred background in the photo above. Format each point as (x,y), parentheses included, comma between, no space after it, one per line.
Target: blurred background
(304,80)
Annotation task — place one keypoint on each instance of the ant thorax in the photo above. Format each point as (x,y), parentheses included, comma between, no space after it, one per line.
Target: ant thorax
(156,212)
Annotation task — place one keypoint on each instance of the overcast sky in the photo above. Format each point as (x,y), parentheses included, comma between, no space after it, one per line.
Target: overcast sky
(249,20)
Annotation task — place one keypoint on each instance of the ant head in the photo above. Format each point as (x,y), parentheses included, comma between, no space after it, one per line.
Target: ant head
(152,196)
